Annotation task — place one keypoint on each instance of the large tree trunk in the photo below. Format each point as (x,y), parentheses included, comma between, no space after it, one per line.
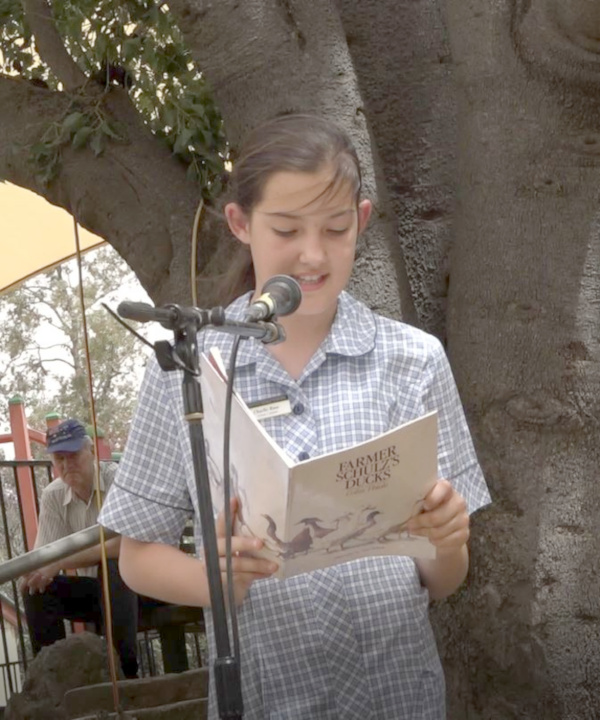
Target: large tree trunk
(523,330)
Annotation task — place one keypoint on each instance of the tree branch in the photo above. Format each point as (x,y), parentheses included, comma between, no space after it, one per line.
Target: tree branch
(54,345)
(61,323)
(59,360)
(135,195)
(50,45)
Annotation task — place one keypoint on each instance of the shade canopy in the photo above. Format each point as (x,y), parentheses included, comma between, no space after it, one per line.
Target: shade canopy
(34,236)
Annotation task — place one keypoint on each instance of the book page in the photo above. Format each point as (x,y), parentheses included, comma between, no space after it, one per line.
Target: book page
(357,502)
(258,467)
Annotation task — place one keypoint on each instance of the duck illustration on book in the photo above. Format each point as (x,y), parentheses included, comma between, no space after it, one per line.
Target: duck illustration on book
(368,523)
(318,530)
(301,543)
(243,508)
(399,531)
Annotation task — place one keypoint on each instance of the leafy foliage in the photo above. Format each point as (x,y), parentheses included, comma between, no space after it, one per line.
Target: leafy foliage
(79,128)
(17,44)
(43,350)
(134,43)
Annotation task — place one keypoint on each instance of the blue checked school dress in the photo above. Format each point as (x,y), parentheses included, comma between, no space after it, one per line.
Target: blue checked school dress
(351,642)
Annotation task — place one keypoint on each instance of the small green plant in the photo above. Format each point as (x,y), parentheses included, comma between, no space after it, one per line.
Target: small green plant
(78,128)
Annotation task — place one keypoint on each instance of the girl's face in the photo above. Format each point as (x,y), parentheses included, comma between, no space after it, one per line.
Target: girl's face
(300,228)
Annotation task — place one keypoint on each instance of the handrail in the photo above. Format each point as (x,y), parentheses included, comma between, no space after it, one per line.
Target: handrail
(25,463)
(57,550)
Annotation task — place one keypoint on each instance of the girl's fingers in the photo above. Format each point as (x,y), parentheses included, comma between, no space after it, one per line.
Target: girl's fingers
(441,492)
(457,525)
(453,540)
(245,566)
(447,526)
(246,571)
(255,566)
(240,545)
(442,515)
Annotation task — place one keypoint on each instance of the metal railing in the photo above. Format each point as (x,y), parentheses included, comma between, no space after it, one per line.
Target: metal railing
(15,646)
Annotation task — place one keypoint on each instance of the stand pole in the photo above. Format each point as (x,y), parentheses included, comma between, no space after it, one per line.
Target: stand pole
(226,667)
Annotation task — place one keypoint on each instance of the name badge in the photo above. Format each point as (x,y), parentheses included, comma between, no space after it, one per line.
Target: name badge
(273,407)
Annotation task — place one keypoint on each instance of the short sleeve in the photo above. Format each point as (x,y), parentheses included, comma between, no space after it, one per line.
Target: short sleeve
(52,523)
(457,460)
(148,499)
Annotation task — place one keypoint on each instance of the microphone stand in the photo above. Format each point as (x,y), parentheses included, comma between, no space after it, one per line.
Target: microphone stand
(183,355)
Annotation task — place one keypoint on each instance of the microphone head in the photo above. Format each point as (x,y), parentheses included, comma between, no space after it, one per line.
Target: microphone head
(286,293)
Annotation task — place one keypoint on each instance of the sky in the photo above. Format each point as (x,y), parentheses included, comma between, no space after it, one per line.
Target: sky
(29,227)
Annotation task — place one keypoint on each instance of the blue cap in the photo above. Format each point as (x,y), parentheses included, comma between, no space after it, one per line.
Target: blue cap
(67,436)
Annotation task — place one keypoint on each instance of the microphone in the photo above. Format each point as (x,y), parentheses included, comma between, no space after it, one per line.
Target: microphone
(171,316)
(281,295)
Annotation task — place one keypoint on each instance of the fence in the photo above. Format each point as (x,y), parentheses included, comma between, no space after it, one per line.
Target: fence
(15,647)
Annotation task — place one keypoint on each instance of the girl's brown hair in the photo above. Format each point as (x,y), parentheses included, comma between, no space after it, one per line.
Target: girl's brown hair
(297,143)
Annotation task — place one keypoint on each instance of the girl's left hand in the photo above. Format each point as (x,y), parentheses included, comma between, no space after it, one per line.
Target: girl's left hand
(246,567)
(444,518)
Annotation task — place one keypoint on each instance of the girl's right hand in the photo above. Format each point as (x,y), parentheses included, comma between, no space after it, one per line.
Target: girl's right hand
(245,567)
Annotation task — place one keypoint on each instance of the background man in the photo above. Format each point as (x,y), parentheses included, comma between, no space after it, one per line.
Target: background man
(68,505)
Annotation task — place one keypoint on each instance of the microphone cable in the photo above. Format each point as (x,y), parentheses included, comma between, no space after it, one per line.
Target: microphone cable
(227,501)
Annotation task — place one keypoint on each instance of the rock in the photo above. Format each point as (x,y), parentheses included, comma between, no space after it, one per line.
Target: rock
(79,660)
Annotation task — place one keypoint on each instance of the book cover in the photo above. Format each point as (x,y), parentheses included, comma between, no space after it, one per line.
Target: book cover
(334,508)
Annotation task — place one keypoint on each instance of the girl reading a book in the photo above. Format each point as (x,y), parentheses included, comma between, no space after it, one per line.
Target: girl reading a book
(352,641)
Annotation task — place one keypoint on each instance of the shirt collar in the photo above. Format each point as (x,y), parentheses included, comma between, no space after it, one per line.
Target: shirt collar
(70,496)
(352,333)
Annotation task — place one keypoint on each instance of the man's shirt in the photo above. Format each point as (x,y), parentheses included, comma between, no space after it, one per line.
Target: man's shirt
(62,512)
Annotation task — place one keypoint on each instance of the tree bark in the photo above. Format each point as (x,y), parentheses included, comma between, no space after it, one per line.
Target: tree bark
(50,46)
(401,56)
(524,345)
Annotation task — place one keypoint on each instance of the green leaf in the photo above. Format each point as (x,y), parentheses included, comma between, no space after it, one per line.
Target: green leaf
(169,91)
(73,122)
(198,109)
(191,172)
(170,116)
(107,129)
(98,143)
(39,148)
(131,48)
(101,46)
(183,140)
(81,137)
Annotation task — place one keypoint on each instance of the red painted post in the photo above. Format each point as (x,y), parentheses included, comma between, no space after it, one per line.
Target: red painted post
(20,435)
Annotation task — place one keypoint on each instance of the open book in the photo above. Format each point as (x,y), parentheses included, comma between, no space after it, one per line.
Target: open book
(326,510)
